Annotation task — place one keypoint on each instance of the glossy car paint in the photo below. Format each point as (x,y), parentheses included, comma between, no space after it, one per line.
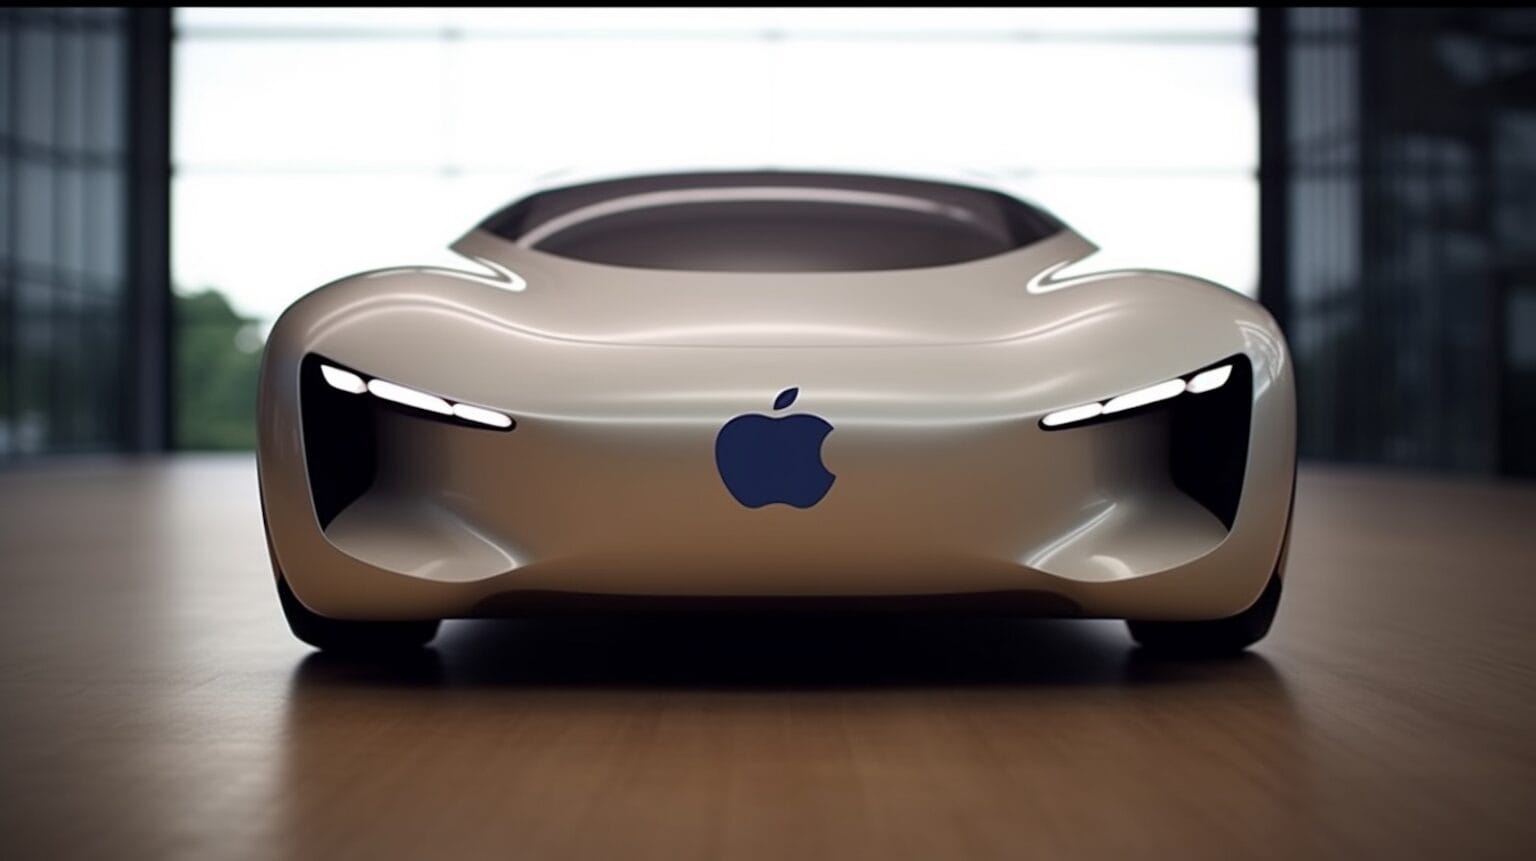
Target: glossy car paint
(619,378)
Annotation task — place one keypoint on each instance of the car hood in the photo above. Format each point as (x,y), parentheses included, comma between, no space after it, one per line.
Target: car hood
(1008,296)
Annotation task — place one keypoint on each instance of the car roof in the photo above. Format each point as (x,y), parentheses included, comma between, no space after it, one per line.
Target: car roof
(768,220)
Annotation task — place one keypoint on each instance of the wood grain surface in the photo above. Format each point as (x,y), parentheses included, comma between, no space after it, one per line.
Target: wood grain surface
(153,705)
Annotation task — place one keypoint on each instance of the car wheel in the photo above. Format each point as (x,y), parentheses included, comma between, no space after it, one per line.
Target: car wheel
(1213,637)
(342,635)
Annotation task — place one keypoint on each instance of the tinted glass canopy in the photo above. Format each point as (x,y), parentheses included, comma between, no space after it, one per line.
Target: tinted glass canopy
(772,221)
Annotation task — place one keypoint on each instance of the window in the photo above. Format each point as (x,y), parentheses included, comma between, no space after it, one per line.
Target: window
(772,221)
(311,144)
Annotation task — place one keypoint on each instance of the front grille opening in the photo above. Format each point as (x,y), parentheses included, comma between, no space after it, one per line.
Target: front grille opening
(1208,440)
(341,444)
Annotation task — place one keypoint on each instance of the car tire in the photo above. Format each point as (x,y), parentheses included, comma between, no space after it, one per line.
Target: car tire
(343,635)
(1213,637)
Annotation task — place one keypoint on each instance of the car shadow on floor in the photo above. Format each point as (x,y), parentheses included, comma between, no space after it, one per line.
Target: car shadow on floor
(640,735)
(778,651)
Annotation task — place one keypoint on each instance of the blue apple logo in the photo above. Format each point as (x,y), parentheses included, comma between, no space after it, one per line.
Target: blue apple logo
(764,460)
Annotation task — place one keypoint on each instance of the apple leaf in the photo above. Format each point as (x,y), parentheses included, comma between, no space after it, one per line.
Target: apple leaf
(786,398)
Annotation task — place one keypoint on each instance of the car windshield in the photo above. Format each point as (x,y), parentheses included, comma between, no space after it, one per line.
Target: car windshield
(771,221)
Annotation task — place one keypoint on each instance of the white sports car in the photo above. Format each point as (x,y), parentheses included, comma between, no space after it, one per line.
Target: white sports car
(776,389)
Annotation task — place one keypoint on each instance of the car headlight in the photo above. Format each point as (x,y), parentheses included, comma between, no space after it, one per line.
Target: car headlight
(353,383)
(1202,381)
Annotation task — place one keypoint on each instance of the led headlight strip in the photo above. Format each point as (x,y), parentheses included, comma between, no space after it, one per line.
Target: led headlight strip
(1207,380)
(347,381)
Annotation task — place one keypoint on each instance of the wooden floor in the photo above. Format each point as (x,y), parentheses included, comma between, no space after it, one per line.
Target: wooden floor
(153,705)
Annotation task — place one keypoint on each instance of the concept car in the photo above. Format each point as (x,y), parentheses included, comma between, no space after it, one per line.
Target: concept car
(776,388)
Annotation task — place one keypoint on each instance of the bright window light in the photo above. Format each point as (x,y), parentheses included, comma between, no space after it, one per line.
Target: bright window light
(344,380)
(409,397)
(1141,397)
(1205,381)
(277,105)
(481,415)
(1072,414)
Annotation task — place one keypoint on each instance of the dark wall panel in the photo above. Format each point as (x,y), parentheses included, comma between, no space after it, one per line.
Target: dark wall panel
(1406,219)
(72,269)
